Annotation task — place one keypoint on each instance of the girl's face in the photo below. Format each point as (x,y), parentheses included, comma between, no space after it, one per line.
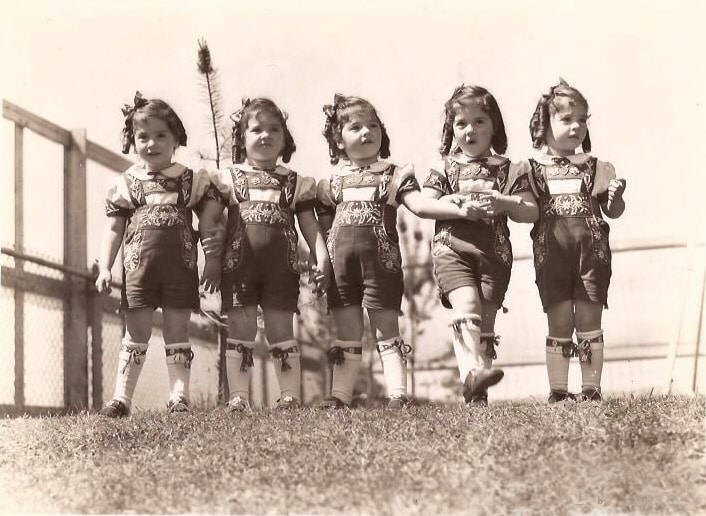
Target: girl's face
(154,142)
(473,131)
(361,138)
(264,139)
(567,127)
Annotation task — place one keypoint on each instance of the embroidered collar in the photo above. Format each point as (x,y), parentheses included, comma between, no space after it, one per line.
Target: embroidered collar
(463,159)
(548,159)
(348,168)
(247,167)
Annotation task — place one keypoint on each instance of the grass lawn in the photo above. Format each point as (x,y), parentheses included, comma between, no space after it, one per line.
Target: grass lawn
(625,455)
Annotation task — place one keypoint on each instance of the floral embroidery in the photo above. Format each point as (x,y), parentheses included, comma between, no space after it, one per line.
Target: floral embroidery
(262,212)
(359,179)
(234,249)
(567,205)
(358,213)
(134,186)
(476,170)
(437,181)
(131,252)
(187,180)
(389,255)
(539,243)
(440,242)
(160,215)
(599,238)
(503,249)
(331,244)
(563,170)
(159,185)
(188,247)
(292,249)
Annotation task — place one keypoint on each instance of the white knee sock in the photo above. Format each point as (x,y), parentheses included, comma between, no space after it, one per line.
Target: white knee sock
(559,352)
(287,360)
(239,363)
(179,357)
(130,361)
(393,355)
(488,341)
(590,349)
(345,357)
(466,343)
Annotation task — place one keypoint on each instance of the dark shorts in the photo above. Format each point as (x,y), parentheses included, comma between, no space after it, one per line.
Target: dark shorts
(160,269)
(460,263)
(265,270)
(572,260)
(367,268)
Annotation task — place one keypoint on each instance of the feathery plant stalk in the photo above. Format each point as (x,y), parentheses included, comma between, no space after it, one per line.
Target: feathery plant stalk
(212,91)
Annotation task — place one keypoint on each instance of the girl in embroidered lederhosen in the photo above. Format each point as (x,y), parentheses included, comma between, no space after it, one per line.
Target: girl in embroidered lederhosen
(151,205)
(359,206)
(572,256)
(260,262)
(472,258)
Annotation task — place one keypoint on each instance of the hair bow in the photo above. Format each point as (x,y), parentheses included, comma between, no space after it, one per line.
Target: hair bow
(329,111)
(139,102)
(238,115)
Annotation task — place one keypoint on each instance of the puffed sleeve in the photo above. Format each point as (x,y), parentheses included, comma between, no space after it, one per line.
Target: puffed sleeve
(436,178)
(325,202)
(223,186)
(604,173)
(305,194)
(118,202)
(518,178)
(403,181)
(203,190)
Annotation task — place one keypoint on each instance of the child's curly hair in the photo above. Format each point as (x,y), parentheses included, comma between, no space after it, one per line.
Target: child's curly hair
(338,113)
(149,108)
(546,106)
(240,123)
(465,95)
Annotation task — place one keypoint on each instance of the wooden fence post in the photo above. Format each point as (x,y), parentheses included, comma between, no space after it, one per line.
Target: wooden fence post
(75,255)
(19,266)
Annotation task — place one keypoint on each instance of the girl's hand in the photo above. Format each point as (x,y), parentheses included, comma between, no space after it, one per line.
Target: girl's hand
(211,275)
(494,203)
(320,278)
(616,187)
(213,243)
(472,210)
(456,199)
(104,281)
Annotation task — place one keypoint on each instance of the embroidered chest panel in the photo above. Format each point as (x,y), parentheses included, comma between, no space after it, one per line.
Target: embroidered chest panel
(348,187)
(562,169)
(140,189)
(271,187)
(476,176)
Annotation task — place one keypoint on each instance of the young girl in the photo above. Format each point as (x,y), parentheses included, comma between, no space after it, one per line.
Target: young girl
(359,205)
(472,258)
(572,256)
(150,205)
(260,263)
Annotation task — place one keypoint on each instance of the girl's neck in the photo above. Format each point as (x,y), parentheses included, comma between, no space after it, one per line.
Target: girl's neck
(262,164)
(360,163)
(559,153)
(155,170)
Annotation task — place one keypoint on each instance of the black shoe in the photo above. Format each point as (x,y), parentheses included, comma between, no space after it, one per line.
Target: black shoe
(591,394)
(479,400)
(332,403)
(479,382)
(115,409)
(288,403)
(560,397)
(178,405)
(397,402)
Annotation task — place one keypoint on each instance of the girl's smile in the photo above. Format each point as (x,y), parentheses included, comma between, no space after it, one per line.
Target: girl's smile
(154,142)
